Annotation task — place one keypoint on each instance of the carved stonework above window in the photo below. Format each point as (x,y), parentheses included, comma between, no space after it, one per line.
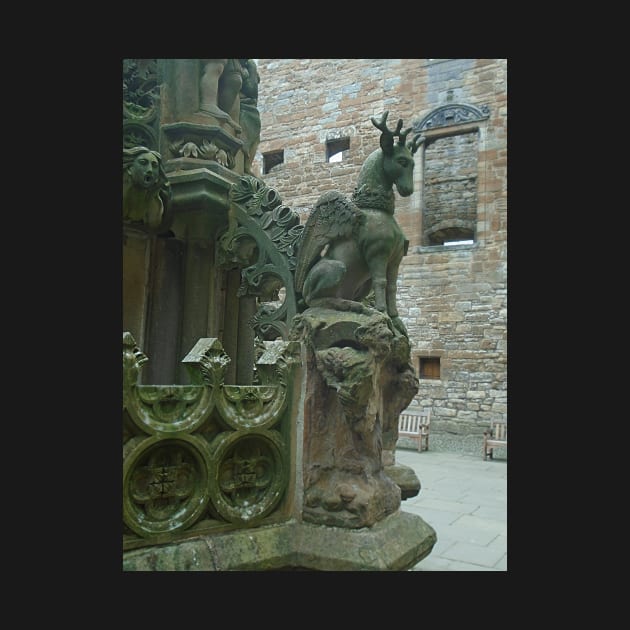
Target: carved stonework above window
(453,114)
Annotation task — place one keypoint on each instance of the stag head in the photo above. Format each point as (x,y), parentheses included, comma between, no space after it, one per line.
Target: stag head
(398,158)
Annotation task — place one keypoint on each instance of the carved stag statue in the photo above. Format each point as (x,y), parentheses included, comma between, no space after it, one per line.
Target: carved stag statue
(349,247)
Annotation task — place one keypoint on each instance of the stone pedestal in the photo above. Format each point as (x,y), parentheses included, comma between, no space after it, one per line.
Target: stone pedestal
(358,380)
(396,543)
(221,472)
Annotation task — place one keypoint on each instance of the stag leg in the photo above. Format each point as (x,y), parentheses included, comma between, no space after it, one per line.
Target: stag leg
(392,309)
(378,266)
(392,278)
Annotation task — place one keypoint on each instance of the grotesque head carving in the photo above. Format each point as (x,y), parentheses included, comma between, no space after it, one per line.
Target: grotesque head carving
(144,167)
(145,186)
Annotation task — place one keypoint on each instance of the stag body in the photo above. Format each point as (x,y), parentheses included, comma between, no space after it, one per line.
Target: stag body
(349,247)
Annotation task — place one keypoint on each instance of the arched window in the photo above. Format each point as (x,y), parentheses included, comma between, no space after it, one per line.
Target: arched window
(449,167)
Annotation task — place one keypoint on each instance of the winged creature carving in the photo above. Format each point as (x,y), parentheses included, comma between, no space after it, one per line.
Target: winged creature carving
(350,246)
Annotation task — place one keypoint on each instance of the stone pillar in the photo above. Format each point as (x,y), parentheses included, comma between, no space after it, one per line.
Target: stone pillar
(165,312)
(246,354)
(357,375)
(135,281)
(230,323)
(198,265)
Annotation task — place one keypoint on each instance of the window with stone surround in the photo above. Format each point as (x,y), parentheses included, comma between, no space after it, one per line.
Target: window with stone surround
(272,159)
(449,173)
(427,367)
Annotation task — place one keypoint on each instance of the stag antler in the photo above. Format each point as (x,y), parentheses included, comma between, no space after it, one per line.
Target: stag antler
(403,136)
(382,125)
(416,142)
(387,136)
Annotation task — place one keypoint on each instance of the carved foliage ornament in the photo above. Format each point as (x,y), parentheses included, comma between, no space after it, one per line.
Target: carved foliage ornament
(262,238)
(205,150)
(141,103)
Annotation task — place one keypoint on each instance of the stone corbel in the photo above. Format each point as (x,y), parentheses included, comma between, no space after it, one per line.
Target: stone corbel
(191,145)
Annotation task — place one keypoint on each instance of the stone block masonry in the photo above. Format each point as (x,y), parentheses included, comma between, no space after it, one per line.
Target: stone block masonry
(452,299)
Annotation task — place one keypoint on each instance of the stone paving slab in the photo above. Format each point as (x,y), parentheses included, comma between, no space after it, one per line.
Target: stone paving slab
(469,534)
(464,498)
(474,554)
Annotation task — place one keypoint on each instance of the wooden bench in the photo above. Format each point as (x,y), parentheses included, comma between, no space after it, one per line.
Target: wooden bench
(415,425)
(495,437)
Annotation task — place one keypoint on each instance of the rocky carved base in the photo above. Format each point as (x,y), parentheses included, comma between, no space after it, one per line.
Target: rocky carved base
(406,479)
(344,499)
(358,380)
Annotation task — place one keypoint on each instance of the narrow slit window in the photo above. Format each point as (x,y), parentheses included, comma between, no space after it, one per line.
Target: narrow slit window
(271,160)
(335,149)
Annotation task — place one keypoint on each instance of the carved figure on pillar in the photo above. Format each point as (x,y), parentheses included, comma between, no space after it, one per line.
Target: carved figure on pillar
(250,116)
(359,374)
(358,380)
(230,83)
(219,87)
(350,247)
(211,71)
(146,191)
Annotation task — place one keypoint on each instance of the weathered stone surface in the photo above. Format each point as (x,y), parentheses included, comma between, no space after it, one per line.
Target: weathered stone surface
(204,456)
(406,479)
(146,189)
(307,102)
(356,360)
(193,555)
(351,247)
(396,543)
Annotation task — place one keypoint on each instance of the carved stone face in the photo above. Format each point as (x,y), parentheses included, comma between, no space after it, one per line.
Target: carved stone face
(144,170)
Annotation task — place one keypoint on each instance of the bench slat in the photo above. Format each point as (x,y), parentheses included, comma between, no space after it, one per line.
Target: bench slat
(415,425)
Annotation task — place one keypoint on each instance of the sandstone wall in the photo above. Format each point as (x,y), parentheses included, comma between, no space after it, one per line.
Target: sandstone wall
(453,299)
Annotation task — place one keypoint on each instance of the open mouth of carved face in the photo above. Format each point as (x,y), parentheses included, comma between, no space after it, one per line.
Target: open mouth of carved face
(149,180)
